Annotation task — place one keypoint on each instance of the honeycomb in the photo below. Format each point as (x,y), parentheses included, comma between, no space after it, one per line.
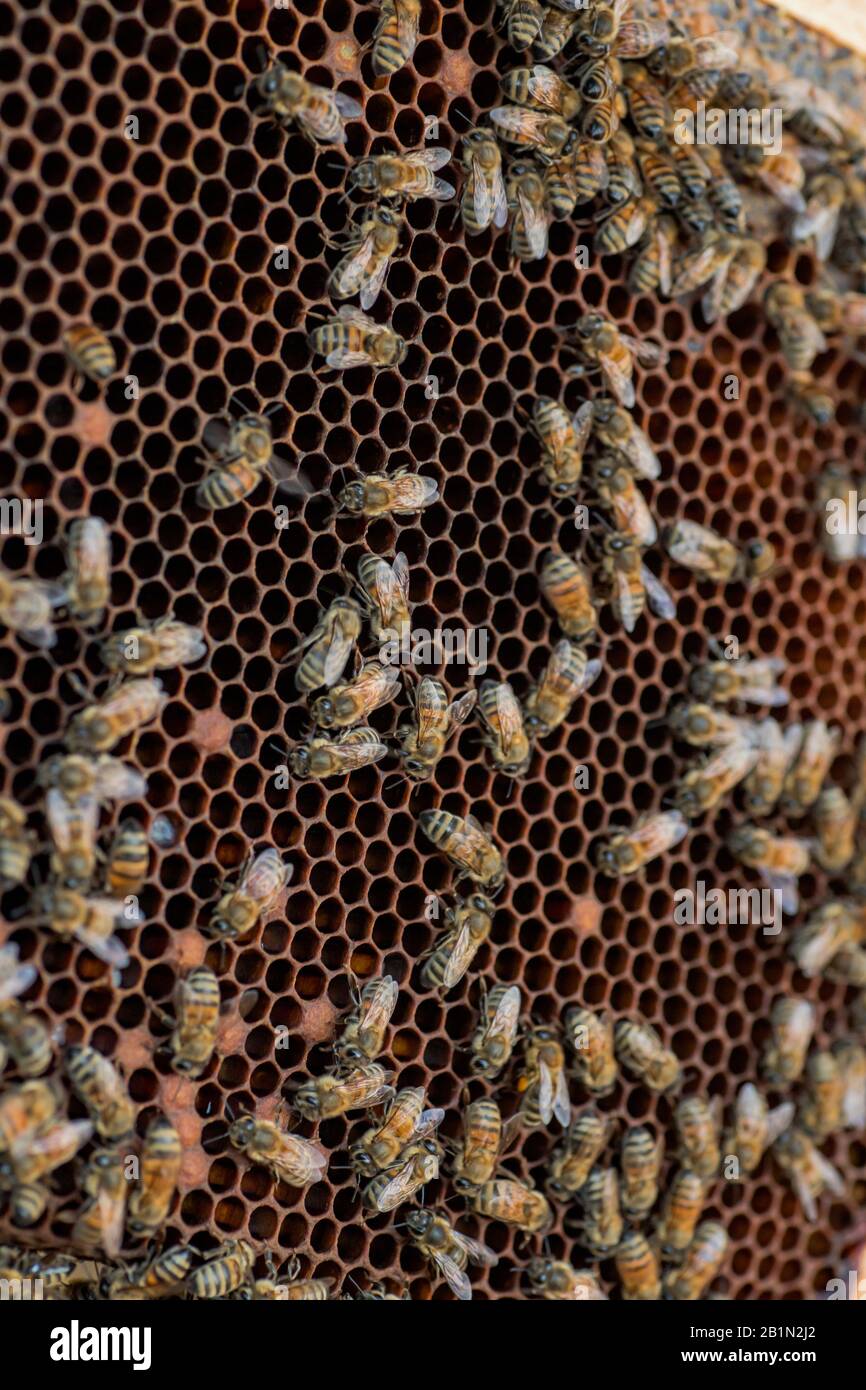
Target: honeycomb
(168,242)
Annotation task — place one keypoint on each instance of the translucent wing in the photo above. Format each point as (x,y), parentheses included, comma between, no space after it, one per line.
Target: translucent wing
(456,1278)
(348,108)
(112,1210)
(618,378)
(428,1122)
(819,221)
(482,196)
(635,40)
(833,1179)
(652,354)
(14,976)
(641,455)
(407,27)
(107,948)
(658,597)
(372,287)
(391,587)
(401,1188)
(61,823)
(719,50)
(435,158)
(351,314)
(117,782)
(341,357)
(500,199)
(443,190)
(660,832)
(353,269)
(60,1138)
(459,710)
(779,1119)
(353,756)
(505,1019)
(301,1155)
(561,1100)
(460,958)
(378,1005)
(509,716)
(545,1092)
(431,706)
(546,87)
(414,490)
(535,225)
(339,649)
(476,1251)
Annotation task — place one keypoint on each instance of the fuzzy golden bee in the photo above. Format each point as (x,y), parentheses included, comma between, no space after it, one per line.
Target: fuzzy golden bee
(564,679)
(711,557)
(101,1220)
(139,651)
(407,1119)
(566,585)
(401,493)
(515,1204)
(808,1171)
(121,712)
(630,584)
(435,719)
(779,859)
(820,1109)
(831,928)
(681,1209)
(527,203)
(350,338)
(494,1038)
(90,920)
(638,1268)
(161,1157)
(25,1037)
(319,113)
(405,176)
(37,1155)
(546,136)
(128,860)
(543,89)
(88,577)
(505,736)
(563,438)
(628,851)
(641,1051)
(640,1163)
(810,766)
(776,749)
(542,1082)
(395,35)
(523,20)
(792,1023)
(229,1267)
(383,589)
(370,246)
(349,750)
(484,202)
(25,1109)
(238,454)
(467,927)
(447,1249)
(751,680)
(616,430)
(590,1038)
(99,1085)
(706,782)
(558,1281)
(363,1033)
(467,845)
(755,1127)
(701,1263)
(351,702)
(195,1022)
(289,1157)
(329,646)
(27,607)
(242,905)
(326,1096)
(602,1216)
(612,353)
(698,1127)
(72,827)
(90,353)
(618,493)
(105,778)
(851,1060)
(571,1161)
(800,337)
(416,1166)
(476,1157)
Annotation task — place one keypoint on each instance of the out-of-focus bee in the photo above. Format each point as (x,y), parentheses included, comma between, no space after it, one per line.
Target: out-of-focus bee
(15,975)
(646,101)
(808,1171)
(323,1097)
(558,1281)
(652,269)
(542,1083)
(630,584)
(484,200)
(547,136)
(659,173)
(395,35)
(160,1277)
(89,920)
(734,282)
(780,859)
(723,192)
(800,337)
(329,645)
(370,246)
(289,1157)
(616,430)
(24,1111)
(417,1165)
(601,120)
(195,1022)
(318,112)
(99,1085)
(602,1220)
(710,556)
(493,1039)
(477,1155)
(776,748)
(87,582)
(352,701)
(467,845)
(505,735)
(467,927)
(832,491)
(704,784)
(697,1123)
(423,740)
(106,778)
(566,586)
(838,313)
(781,175)
(121,712)
(352,339)
(90,353)
(239,454)
(26,1038)
(138,651)
(706,262)
(744,678)
(510,1201)
(323,757)
(400,493)
(755,1127)
(557,28)
(101,1220)
(612,353)
(523,20)
(820,1108)
(836,824)
(590,1036)
(128,860)
(447,1249)
(363,1032)
(831,928)
(692,170)
(37,1155)
(810,767)
(406,1121)
(638,1268)
(848,967)
(229,1266)
(594,170)
(543,89)
(624,226)
(27,1203)
(571,1161)
(851,1060)
(679,56)
(792,1022)
(701,1263)
(564,679)
(681,1210)
(530,214)
(640,1050)
(405,176)
(704,726)
(161,1157)
(628,851)
(26,606)
(623,182)
(814,115)
(810,398)
(640,1162)
(242,905)
(826,195)
(16,842)
(562,188)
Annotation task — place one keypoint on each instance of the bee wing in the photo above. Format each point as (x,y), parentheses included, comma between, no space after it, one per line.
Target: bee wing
(353,268)
(507,1014)
(407,25)
(216,434)
(57,814)
(58,1138)
(118,782)
(477,1252)
(711,301)
(460,958)
(405,490)
(355,755)
(371,288)
(635,39)
(641,455)
(401,1188)
(431,709)
(341,357)
(391,587)
(562,1100)
(482,197)
(787,887)
(442,190)
(779,1119)
(428,1122)
(820,222)
(112,1211)
(350,314)
(787,193)
(459,710)
(832,1177)
(14,977)
(535,225)
(337,655)
(545,1092)
(456,1278)
(621,598)
(658,597)
(665,251)
(546,87)
(107,948)
(652,354)
(377,1008)
(660,832)
(510,718)
(301,1153)
(582,424)
(42,637)
(516,120)
(618,378)
(500,199)
(348,108)
(435,158)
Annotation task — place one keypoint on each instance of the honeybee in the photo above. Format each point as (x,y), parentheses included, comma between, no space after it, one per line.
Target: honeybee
(547,136)
(711,557)
(594,169)
(90,353)
(467,927)
(601,120)
(681,1210)
(743,678)
(836,824)
(493,1039)
(679,56)
(734,281)
(558,1281)
(640,1162)
(800,338)
(838,313)
(819,219)
(323,1097)
(602,1221)
(395,35)
(612,353)
(590,1036)
(647,104)
(229,1266)
(628,851)
(72,827)
(776,748)
(160,1277)
(851,1061)
(121,712)
(16,842)
(638,1268)
(101,1219)
(564,679)
(563,438)
(809,398)
(239,453)
(99,1085)
(90,920)
(477,1156)
(24,1111)
(623,182)
(424,739)
(26,607)
(542,1082)
(723,193)
(25,1038)
(618,492)
(407,1120)
(484,200)
(701,1263)
(831,928)
(467,845)
(288,1288)
(87,581)
(571,1161)
(37,1155)
(641,1051)
(704,726)
(506,736)
(557,29)
(810,767)
(242,906)
(417,1165)
(328,647)
(848,967)
(323,757)
(363,1033)
(562,186)
(128,860)
(352,701)
(406,176)
(616,430)
(290,1158)
(780,859)
(630,584)
(510,1201)
(370,247)
(697,1123)
(658,173)
(808,1171)
(820,1108)
(543,89)
(28,1203)
(384,591)
(566,586)
(814,115)
(138,651)
(624,226)
(351,339)
(15,975)
(530,214)
(792,1023)
(400,493)
(447,1249)
(523,20)
(161,1156)
(703,785)
(318,112)
(106,778)
(195,1022)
